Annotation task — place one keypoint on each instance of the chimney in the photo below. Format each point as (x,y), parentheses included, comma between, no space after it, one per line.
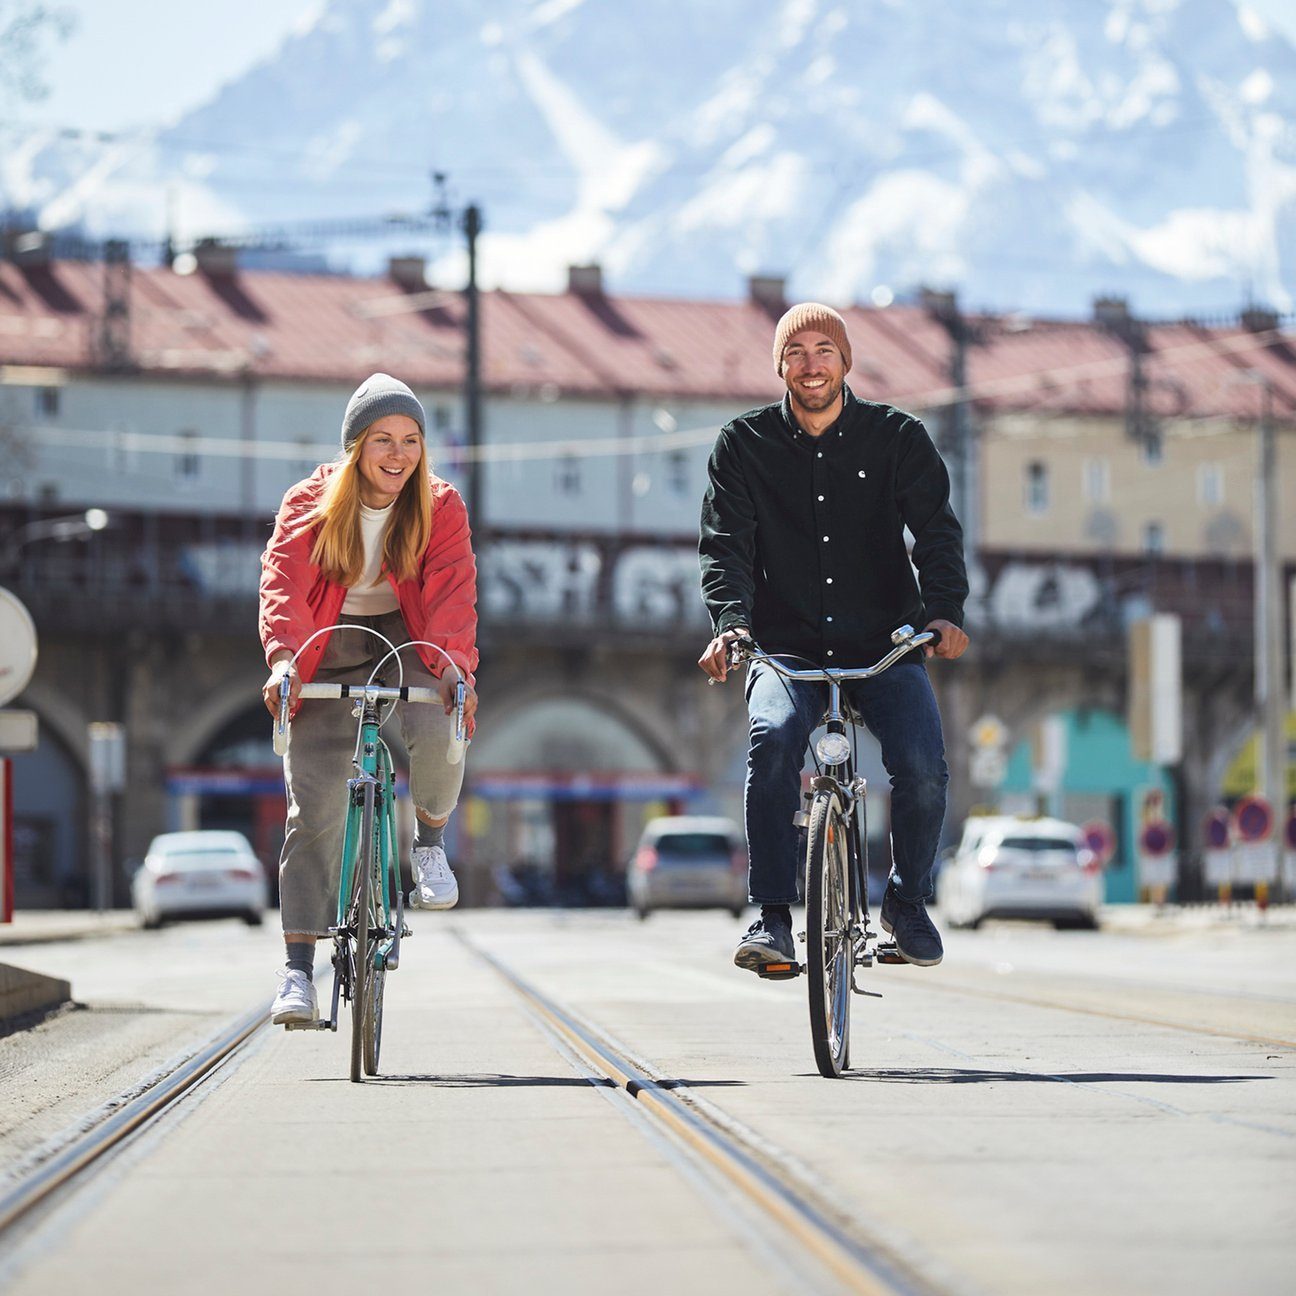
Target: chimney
(768,292)
(587,280)
(1112,312)
(28,247)
(940,302)
(408,272)
(215,258)
(1259,319)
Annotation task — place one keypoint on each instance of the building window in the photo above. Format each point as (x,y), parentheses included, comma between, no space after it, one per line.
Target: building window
(48,400)
(1152,448)
(188,463)
(567,475)
(677,474)
(1210,485)
(1153,538)
(1097,481)
(1037,487)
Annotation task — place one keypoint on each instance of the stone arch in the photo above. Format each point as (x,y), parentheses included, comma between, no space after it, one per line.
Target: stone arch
(217,709)
(68,722)
(533,728)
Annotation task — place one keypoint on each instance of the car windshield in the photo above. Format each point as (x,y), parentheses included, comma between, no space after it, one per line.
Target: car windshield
(685,846)
(1039,845)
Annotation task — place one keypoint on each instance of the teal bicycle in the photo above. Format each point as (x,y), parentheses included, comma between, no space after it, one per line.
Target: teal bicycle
(371,904)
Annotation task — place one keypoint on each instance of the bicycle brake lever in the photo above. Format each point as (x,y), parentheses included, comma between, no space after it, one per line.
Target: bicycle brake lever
(280,731)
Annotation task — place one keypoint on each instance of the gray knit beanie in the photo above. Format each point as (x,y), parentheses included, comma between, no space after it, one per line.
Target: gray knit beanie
(823,319)
(379,395)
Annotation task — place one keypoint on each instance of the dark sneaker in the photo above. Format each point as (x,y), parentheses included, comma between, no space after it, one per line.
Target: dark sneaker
(915,934)
(768,940)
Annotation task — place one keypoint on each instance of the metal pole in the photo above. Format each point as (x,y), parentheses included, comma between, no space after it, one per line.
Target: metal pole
(472,224)
(1271,697)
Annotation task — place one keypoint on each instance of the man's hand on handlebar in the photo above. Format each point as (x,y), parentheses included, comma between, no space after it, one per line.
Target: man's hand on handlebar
(715,661)
(446,687)
(281,666)
(952,643)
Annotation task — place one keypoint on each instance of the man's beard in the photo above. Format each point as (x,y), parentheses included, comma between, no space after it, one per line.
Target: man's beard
(814,402)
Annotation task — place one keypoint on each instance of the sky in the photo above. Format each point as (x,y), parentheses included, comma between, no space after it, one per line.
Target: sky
(180,61)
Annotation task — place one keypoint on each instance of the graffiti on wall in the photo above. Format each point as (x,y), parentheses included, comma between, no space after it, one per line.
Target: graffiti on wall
(557,579)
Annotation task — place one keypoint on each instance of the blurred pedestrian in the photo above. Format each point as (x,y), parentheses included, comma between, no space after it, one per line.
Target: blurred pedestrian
(374,540)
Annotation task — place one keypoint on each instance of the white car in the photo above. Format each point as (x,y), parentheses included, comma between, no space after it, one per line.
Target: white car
(1009,867)
(207,874)
(688,862)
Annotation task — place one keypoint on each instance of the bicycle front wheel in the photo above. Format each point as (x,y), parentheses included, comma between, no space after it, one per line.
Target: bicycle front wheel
(361,915)
(830,942)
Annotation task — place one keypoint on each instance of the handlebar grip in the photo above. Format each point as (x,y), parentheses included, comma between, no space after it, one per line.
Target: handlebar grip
(935,637)
(459,738)
(279,732)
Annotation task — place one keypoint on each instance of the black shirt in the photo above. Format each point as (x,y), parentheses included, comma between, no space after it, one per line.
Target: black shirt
(803,537)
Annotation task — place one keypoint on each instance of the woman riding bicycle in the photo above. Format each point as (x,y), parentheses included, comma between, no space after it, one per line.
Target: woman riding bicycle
(374,540)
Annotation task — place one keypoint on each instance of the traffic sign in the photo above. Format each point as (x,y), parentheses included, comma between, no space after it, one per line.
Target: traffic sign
(1215,829)
(1156,838)
(1253,819)
(17,646)
(1100,839)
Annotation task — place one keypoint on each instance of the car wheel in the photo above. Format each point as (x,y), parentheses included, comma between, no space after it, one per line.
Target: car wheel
(253,918)
(150,922)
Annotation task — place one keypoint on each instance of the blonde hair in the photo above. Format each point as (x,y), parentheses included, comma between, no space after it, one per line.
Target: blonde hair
(339,546)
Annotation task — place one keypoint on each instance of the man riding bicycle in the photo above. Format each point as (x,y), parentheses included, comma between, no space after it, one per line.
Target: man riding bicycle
(802,547)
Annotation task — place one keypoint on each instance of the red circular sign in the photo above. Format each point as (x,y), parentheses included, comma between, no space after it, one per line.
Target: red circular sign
(1215,829)
(1156,838)
(1253,818)
(1100,839)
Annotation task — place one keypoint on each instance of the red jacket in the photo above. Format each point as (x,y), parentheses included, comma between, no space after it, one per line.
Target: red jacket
(440,605)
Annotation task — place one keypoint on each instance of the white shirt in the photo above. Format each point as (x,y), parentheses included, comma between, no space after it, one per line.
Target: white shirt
(372,594)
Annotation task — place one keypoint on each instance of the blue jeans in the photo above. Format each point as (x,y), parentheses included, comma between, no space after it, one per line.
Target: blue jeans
(900,711)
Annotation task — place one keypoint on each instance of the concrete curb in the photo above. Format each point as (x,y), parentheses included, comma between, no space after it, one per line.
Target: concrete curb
(26,994)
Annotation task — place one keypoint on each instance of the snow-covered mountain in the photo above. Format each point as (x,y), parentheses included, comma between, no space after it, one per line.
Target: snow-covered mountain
(1031,153)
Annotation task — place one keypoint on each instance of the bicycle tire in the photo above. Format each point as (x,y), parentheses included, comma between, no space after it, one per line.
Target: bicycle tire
(360,915)
(830,944)
(378,975)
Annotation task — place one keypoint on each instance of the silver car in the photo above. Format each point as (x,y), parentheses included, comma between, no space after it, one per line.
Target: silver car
(688,862)
(1010,867)
(208,874)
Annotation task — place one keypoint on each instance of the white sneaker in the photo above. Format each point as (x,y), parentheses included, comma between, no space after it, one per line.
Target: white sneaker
(434,885)
(296,1000)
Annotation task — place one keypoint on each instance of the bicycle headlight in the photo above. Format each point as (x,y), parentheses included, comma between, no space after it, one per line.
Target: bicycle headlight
(833,748)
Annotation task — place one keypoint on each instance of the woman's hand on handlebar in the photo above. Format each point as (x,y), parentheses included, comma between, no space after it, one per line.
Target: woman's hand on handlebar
(952,642)
(715,660)
(281,666)
(446,687)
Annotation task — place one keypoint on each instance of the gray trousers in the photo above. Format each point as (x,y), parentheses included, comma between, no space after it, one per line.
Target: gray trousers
(321,742)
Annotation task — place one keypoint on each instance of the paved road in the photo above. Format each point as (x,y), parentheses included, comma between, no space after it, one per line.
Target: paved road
(1062,1113)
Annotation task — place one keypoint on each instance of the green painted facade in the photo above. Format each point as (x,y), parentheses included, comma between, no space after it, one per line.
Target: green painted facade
(1102,780)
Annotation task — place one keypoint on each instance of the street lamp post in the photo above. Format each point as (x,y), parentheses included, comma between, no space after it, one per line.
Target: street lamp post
(73,527)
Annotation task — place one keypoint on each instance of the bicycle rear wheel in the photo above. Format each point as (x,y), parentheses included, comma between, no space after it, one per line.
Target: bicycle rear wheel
(830,942)
(361,913)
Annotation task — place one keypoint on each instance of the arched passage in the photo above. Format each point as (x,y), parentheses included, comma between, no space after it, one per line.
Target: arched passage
(559,788)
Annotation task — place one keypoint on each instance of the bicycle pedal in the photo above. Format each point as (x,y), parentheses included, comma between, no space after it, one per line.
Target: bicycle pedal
(889,953)
(320,1023)
(780,971)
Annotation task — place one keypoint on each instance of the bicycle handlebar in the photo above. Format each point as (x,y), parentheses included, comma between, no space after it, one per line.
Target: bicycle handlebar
(373,693)
(746,649)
